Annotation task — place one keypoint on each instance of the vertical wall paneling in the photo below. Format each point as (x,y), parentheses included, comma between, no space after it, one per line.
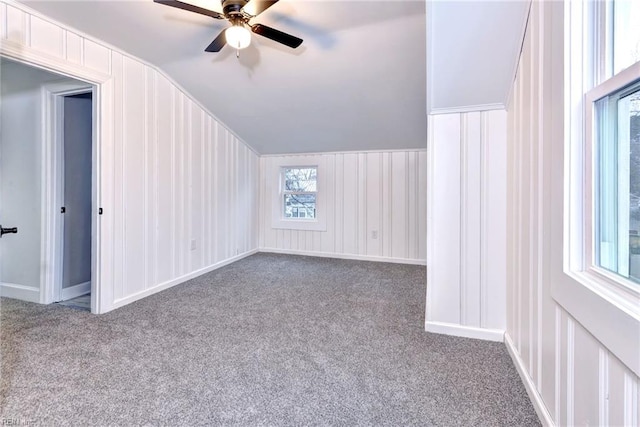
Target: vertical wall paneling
(3,21)
(73,48)
(422,205)
(134,174)
(16,25)
(118,206)
(155,188)
(96,56)
(444,234)
(168,169)
(573,378)
(466,242)
(470,228)
(376,205)
(47,37)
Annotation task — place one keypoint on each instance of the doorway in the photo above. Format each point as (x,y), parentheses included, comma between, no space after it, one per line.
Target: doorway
(74,287)
(47,185)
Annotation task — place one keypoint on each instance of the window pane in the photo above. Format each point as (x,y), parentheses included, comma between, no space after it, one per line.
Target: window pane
(629,128)
(300,179)
(300,206)
(618,183)
(626,34)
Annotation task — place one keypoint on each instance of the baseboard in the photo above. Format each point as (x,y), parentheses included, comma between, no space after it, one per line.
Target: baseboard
(166,285)
(345,256)
(21,292)
(76,291)
(465,331)
(532,391)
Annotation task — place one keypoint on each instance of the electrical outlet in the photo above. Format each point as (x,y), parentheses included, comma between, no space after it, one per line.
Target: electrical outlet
(193,245)
(374,234)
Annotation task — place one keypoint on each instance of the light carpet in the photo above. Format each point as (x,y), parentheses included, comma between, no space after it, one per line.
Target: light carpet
(269,340)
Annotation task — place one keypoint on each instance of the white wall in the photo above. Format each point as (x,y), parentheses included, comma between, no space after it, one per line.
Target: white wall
(20,166)
(572,377)
(466,242)
(169,172)
(365,192)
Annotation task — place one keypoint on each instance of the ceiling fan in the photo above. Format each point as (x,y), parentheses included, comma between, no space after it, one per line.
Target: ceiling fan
(238,13)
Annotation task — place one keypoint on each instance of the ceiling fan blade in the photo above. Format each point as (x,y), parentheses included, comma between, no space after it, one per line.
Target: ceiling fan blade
(217,43)
(256,7)
(276,35)
(190,8)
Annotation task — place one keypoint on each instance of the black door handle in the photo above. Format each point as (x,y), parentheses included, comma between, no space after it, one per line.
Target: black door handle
(13,230)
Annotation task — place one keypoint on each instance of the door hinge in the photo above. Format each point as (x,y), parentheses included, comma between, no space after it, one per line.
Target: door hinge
(99,211)
(63,209)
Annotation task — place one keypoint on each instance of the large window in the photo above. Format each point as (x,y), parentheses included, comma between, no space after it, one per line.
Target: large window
(599,287)
(613,117)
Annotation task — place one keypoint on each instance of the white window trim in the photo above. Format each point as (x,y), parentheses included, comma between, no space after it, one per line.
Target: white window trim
(595,297)
(277,195)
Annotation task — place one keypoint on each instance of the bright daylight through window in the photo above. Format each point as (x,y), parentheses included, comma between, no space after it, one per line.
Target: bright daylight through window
(617,151)
(299,189)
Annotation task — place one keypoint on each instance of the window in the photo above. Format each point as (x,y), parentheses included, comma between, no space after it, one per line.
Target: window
(599,287)
(613,138)
(299,192)
(297,189)
(617,189)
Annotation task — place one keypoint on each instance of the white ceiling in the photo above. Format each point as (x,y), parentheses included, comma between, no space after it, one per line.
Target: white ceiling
(358,82)
(474,48)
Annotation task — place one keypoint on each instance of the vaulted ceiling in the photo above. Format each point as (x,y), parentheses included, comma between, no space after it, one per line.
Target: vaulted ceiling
(358,82)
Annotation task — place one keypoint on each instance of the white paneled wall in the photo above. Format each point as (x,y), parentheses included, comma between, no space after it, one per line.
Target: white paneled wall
(573,379)
(466,239)
(376,207)
(178,189)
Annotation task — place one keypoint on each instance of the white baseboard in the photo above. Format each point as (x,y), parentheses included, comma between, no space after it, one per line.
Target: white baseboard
(21,292)
(166,285)
(76,291)
(465,331)
(345,256)
(532,391)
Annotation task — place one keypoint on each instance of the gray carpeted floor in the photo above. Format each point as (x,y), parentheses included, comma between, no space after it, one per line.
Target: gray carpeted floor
(269,340)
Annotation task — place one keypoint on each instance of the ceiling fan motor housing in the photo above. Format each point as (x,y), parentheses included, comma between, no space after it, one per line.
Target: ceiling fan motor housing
(233,8)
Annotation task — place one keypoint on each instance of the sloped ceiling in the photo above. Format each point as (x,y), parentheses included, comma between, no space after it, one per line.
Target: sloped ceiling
(473,48)
(358,82)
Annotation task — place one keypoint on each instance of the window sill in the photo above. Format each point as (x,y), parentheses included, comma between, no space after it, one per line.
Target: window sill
(293,224)
(612,317)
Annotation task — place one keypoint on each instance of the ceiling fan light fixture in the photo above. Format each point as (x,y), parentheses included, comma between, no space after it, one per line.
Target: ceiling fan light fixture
(238,36)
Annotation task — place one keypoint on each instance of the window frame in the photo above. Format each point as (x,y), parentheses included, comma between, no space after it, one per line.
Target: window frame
(625,288)
(284,192)
(275,187)
(592,295)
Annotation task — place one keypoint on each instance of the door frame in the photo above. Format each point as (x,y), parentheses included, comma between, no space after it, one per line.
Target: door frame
(102,164)
(52,185)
